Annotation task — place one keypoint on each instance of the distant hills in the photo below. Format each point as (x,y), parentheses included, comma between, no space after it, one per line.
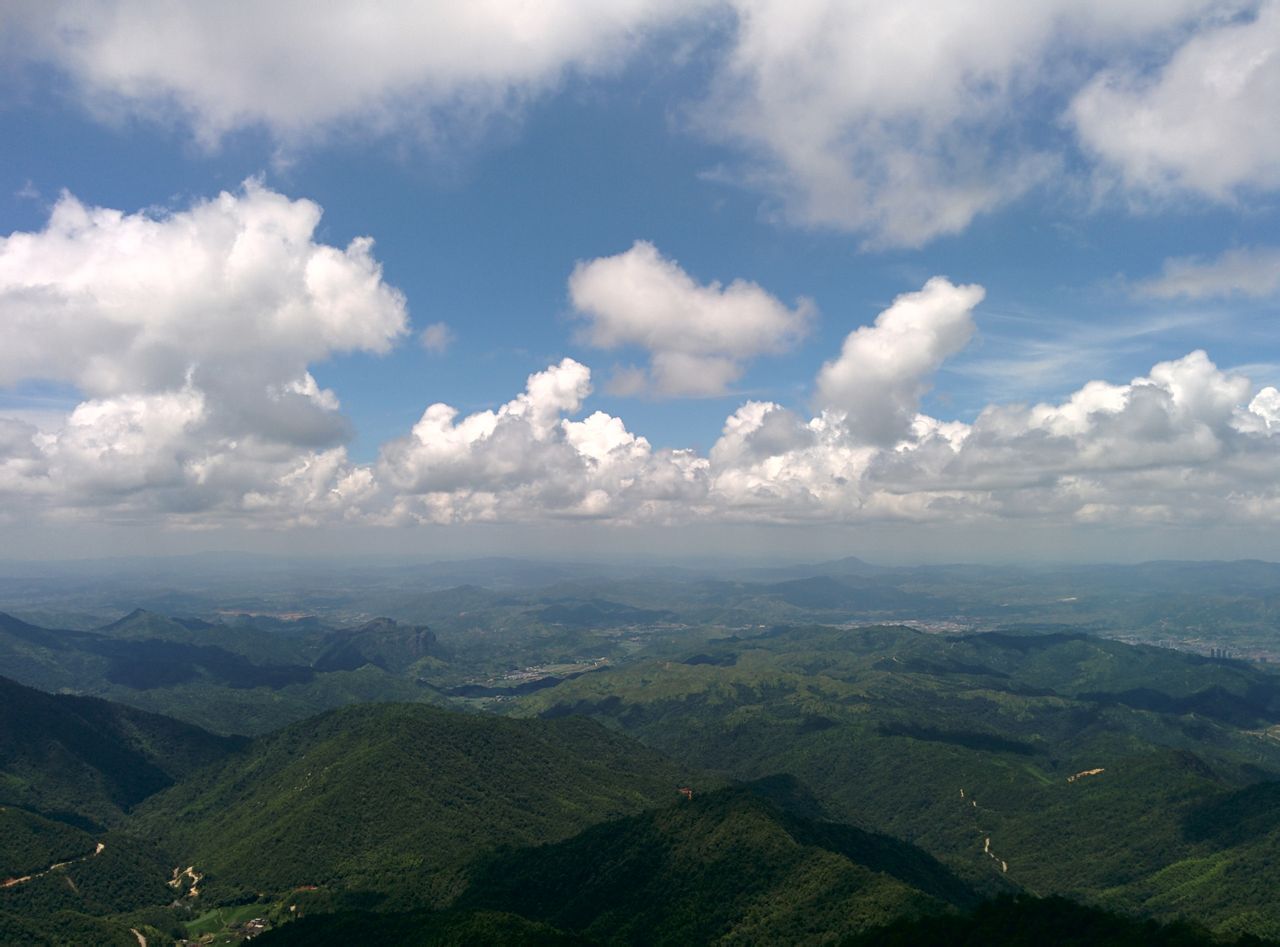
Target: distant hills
(232,678)
(507,764)
(382,643)
(1056,761)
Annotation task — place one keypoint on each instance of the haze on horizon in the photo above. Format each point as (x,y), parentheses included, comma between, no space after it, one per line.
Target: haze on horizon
(733,278)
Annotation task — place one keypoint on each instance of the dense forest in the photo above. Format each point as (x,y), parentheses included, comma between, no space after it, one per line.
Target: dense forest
(649,776)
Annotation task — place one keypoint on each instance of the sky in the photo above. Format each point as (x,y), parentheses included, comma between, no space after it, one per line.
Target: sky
(794,278)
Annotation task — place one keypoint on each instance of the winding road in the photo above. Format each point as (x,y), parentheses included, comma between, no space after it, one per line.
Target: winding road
(11,882)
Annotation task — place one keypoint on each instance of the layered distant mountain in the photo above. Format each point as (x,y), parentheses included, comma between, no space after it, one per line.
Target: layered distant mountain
(1058,761)
(249,676)
(617,760)
(383,643)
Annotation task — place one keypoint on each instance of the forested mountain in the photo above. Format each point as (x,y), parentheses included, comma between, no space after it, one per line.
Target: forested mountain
(239,678)
(873,782)
(727,866)
(381,797)
(89,760)
(1060,762)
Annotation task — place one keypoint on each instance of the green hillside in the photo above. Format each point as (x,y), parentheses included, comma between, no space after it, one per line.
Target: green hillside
(383,643)
(1056,761)
(31,842)
(728,866)
(1034,922)
(419,929)
(90,760)
(71,771)
(380,797)
(940,768)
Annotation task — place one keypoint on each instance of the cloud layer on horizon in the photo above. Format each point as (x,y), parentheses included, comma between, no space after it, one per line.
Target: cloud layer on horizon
(189,335)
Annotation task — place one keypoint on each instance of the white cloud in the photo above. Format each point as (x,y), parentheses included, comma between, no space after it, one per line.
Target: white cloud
(1202,123)
(189,335)
(1180,445)
(699,337)
(904,121)
(897,122)
(192,334)
(526,461)
(120,445)
(1265,407)
(114,302)
(884,370)
(436,338)
(772,465)
(1186,443)
(1245,271)
(284,66)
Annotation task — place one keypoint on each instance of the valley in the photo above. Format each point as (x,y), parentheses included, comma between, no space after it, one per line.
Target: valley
(617,759)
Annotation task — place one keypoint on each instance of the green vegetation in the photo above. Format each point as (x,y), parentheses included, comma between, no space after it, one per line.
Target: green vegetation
(968,745)
(220,918)
(63,929)
(726,866)
(381,797)
(419,929)
(88,760)
(865,783)
(31,843)
(1035,922)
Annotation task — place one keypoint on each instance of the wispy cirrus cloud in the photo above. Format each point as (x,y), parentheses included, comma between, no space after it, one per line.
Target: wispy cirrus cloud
(1242,271)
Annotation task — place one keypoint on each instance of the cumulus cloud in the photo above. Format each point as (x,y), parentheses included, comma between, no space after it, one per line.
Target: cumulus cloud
(189,334)
(699,337)
(1185,443)
(114,302)
(1245,271)
(883,370)
(526,460)
(282,66)
(1202,122)
(904,121)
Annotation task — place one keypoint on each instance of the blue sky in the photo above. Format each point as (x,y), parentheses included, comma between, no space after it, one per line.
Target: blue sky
(1108,176)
